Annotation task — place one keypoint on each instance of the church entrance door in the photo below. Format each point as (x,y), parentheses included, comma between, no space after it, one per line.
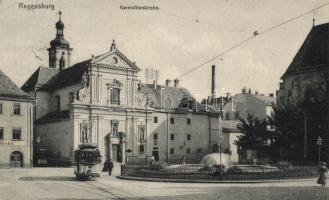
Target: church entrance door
(116,153)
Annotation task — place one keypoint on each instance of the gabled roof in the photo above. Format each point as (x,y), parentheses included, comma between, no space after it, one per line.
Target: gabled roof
(10,90)
(313,54)
(41,76)
(243,97)
(74,73)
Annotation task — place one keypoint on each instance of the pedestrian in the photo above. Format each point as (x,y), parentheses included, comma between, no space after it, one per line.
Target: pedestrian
(152,161)
(110,167)
(105,167)
(322,180)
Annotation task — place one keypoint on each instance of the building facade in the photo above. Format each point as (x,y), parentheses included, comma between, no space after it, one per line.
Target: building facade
(102,101)
(16,125)
(304,89)
(306,78)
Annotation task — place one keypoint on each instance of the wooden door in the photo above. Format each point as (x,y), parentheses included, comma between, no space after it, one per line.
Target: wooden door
(16,159)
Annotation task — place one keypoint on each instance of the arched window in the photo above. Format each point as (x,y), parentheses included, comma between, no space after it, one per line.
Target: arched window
(62,62)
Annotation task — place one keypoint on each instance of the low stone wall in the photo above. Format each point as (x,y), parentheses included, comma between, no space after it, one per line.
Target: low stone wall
(197,172)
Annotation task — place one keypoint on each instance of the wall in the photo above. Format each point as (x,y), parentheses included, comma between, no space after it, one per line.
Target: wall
(64,94)
(43,100)
(57,138)
(201,138)
(299,84)
(9,121)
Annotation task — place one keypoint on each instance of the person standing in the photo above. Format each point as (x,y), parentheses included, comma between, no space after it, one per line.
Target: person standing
(105,167)
(110,167)
(322,180)
(152,161)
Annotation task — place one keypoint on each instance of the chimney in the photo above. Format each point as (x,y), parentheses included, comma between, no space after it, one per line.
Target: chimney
(213,83)
(155,84)
(244,90)
(271,95)
(168,82)
(176,83)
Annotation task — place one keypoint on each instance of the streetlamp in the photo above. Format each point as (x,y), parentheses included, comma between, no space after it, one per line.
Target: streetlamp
(220,139)
(319,143)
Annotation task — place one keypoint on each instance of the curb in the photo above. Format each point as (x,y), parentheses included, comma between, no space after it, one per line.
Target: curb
(210,181)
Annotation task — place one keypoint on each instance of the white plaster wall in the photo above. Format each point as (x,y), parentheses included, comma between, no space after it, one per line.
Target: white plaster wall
(8,121)
(64,94)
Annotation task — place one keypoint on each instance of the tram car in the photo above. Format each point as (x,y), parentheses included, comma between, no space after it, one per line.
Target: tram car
(87,159)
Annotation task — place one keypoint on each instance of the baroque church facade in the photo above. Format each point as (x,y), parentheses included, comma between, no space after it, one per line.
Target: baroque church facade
(102,101)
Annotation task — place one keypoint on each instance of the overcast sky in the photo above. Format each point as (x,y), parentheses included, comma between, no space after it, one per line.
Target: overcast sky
(174,39)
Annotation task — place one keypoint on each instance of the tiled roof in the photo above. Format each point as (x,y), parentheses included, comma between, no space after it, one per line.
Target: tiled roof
(313,53)
(173,98)
(266,99)
(39,78)
(243,97)
(67,76)
(9,89)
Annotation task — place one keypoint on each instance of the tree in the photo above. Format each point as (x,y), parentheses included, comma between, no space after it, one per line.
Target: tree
(288,133)
(255,134)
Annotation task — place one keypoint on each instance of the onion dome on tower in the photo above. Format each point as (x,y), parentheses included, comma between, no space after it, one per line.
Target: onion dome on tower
(59,47)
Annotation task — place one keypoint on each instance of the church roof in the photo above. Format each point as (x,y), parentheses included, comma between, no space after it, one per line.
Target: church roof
(313,54)
(40,77)
(9,89)
(68,76)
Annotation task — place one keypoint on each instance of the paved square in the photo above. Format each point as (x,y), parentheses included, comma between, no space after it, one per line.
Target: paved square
(59,183)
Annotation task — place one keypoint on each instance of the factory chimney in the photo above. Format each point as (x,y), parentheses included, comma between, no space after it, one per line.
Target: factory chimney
(213,83)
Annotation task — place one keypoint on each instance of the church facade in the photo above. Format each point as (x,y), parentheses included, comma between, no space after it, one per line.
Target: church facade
(102,101)
(306,78)
(305,90)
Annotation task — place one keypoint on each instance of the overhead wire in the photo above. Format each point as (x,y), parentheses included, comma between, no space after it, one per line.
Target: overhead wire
(255,34)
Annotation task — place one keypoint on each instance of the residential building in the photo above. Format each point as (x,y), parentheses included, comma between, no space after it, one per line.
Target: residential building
(16,125)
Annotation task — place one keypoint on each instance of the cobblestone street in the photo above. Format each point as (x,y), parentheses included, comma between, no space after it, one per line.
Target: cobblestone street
(59,183)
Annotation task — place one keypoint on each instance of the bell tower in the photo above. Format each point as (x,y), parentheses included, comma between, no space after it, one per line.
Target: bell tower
(59,51)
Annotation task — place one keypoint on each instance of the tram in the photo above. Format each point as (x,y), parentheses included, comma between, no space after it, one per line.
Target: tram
(87,159)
